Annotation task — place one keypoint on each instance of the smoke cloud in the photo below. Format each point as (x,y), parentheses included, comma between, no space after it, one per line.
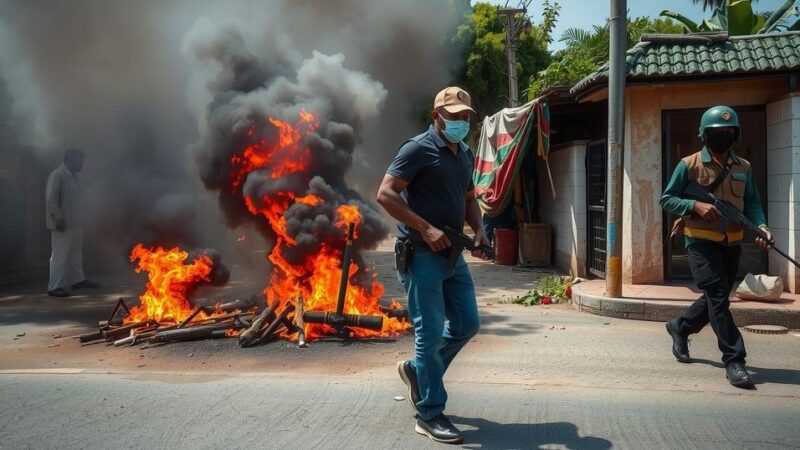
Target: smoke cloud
(158,93)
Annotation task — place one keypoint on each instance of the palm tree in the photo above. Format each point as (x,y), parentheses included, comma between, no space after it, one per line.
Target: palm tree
(593,44)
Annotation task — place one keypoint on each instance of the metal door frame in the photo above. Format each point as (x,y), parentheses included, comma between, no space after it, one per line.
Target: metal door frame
(593,210)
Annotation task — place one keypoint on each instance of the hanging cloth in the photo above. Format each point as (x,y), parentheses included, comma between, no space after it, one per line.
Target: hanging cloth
(504,139)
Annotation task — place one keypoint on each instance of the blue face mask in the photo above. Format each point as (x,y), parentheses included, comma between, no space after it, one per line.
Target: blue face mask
(455,130)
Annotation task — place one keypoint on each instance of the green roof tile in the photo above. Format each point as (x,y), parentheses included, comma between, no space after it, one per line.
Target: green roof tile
(740,54)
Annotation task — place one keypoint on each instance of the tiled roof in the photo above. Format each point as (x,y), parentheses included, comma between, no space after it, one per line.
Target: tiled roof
(660,56)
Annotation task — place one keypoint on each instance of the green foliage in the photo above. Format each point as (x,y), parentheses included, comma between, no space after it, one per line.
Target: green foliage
(485,71)
(586,50)
(551,287)
(554,286)
(738,18)
(530,298)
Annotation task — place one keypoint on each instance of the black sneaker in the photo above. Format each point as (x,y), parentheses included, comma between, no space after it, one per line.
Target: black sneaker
(85,284)
(60,292)
(409,376)
(738,376)
(440,429)
(680,344)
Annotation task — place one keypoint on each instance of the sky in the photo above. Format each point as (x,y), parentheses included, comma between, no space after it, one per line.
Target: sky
(585,13)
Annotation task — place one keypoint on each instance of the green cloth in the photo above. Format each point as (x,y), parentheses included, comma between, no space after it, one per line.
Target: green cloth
(673,202)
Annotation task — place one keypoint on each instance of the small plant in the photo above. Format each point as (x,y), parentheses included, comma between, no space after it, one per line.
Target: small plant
(532,297)
(549,290)
(555,287)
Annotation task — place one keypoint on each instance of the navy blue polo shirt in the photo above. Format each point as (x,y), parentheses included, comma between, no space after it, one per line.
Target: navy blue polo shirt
(438,180)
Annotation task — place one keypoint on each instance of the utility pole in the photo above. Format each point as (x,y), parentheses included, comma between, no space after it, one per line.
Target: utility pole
(515,22)
(616,144)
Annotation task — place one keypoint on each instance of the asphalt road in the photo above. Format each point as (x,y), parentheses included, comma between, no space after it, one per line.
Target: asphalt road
(157,410)
(534,377)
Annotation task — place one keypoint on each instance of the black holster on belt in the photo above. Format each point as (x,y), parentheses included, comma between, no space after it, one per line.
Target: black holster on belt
(402,254)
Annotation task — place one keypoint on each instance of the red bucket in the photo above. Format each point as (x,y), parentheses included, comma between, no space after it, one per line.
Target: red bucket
(506,246)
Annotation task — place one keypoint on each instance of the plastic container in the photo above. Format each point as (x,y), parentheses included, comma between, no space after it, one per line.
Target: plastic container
(506,246)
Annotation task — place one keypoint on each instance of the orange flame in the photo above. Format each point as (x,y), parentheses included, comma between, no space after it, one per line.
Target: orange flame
(169,281)
(317,277)
(348,214)
(283,157)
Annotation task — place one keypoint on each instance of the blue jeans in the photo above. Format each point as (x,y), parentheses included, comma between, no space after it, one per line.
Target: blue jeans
(437,293)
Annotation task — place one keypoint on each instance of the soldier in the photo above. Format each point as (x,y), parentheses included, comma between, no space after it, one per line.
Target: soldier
(714,252)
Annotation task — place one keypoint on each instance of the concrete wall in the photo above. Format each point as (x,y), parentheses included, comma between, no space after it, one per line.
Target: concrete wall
(783,185)
(642,242)
(24,239)
(567,213)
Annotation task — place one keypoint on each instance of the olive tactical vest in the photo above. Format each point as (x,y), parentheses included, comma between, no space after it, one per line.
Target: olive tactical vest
(732,189)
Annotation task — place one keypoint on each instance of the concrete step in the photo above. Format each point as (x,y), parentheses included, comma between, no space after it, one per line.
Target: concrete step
(663,302)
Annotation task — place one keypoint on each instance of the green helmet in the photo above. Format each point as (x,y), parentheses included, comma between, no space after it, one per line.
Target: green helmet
(719,116)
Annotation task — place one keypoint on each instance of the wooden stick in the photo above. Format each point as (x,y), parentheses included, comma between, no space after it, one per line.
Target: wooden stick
(265,335)
(249,335)
(191,316)
(115,333)
(196,332)
(298,317)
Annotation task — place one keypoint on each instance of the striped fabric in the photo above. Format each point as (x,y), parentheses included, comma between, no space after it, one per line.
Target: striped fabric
(504,139)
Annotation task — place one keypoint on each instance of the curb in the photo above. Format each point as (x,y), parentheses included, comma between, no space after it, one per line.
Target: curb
(636,309)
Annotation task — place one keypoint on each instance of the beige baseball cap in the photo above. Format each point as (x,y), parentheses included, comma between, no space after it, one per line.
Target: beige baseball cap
(453,99)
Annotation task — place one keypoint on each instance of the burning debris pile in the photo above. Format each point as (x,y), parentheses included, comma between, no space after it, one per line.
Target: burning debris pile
(276,142)
(277,137)
(166,314)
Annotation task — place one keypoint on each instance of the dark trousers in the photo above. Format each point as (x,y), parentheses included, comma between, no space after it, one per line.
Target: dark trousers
(714,268)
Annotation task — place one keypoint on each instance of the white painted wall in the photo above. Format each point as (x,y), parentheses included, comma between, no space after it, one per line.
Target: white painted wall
(567,213)
(783,185)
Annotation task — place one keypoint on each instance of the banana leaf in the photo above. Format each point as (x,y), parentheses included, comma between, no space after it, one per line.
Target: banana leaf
(720,18)
(779,16)
(740,18)
(707,25)
(760,21)
(689,25)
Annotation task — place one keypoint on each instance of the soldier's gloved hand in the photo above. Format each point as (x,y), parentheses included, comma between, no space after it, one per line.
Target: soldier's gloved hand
(480,239)
(764,244)
(707,211)
(435,238)
(61,225)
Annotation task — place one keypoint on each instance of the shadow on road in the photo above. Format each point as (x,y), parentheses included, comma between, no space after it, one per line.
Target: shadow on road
(81,309)
(763,375)
(778,376)
(709,362)
(488,434)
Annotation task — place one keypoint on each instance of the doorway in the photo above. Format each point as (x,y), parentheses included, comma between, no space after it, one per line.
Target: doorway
(680,138)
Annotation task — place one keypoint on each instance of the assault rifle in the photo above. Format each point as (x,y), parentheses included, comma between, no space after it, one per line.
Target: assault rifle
(731,215)
(460,242)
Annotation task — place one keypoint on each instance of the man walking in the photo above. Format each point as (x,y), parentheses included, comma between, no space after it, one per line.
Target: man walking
(713,250)
(429,186)
(63,199)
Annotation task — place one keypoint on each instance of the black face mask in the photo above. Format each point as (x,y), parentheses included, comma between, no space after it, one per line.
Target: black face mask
(720,142)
